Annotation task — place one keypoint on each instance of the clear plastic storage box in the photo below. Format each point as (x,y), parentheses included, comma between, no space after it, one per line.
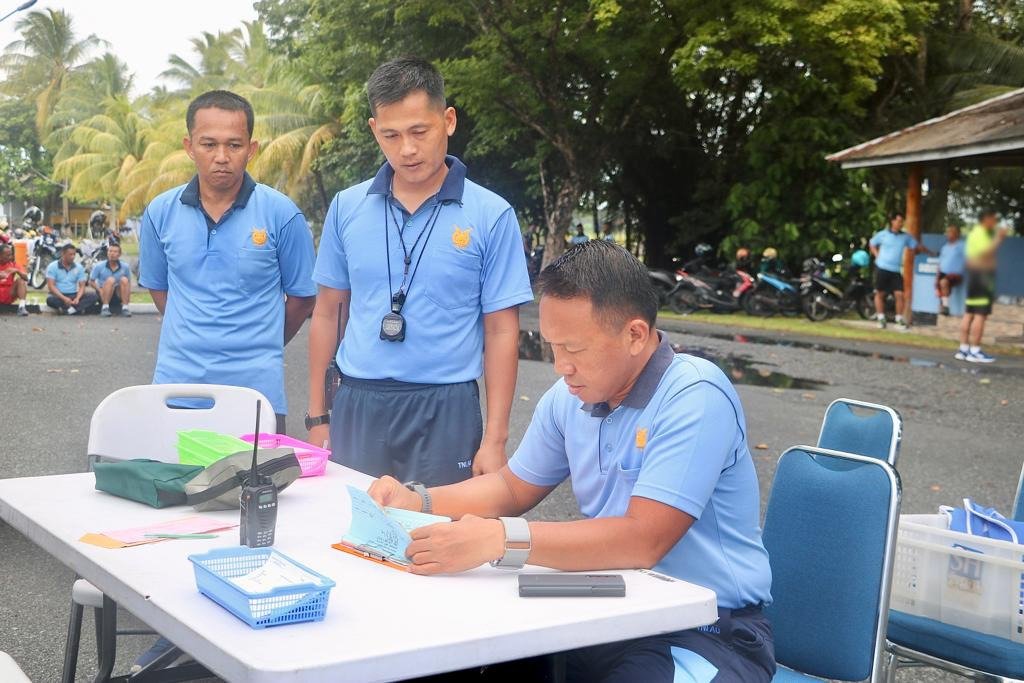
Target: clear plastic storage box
(958,579)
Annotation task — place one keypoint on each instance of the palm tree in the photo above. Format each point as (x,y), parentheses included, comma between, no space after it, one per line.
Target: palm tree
(102,151)
(39,65)
(163,164)
(212,71)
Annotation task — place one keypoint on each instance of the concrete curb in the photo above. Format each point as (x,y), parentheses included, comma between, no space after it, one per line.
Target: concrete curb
(137,309)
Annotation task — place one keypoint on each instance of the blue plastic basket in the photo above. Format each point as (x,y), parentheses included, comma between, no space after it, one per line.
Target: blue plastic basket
(282,605)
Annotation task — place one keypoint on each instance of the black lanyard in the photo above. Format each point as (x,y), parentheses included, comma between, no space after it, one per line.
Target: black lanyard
(398,298)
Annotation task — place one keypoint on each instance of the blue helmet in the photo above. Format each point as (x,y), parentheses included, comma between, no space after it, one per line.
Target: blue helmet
(860,259)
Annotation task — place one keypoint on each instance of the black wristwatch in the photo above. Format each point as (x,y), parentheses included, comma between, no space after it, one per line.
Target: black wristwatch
(311,422)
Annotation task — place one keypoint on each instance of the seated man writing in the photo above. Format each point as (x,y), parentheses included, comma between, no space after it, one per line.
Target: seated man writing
(655,446)
(112,280)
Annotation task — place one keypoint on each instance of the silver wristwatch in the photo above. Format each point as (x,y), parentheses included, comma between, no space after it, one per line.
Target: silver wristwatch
(417,487)
(517,543)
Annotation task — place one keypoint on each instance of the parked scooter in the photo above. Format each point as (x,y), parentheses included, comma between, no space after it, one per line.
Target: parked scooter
(773,293)
(44,251)
(663,281)
(823,295)
(721,292)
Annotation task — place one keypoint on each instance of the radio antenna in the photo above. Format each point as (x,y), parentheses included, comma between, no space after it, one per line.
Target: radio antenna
(253,480)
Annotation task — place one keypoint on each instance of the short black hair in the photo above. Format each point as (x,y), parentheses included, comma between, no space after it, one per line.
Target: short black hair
(395,80)
(617,284)
(220,99)
(896,214)
(988,213)
(68,245)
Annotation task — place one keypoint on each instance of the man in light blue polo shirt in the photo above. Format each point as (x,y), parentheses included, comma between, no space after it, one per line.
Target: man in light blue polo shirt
(112,281)
(655,447)
(421,273)
(951,267)
(65,280)
(229,261)
(888,246)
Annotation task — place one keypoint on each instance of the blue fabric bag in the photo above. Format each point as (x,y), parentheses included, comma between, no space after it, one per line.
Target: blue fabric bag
(976,520)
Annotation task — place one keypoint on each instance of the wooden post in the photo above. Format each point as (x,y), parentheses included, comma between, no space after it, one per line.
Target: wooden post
(912,225)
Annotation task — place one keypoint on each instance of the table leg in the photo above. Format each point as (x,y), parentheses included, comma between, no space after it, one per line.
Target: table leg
(106,639)
(71,646)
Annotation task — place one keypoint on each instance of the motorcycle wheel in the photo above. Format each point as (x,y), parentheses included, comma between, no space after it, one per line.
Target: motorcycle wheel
(815,310)
(683,302)
(866,307)
(37,273)
(758,305)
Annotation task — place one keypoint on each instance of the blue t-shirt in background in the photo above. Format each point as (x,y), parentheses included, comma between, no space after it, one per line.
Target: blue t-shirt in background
(66,279)
(472,264)
(951,258)
(890,248)
(102,272)
(682,442)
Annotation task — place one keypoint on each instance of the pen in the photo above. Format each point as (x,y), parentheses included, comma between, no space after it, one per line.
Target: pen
(181,535)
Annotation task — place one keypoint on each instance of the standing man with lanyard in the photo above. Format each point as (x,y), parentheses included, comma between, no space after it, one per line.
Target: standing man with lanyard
(421,273)
(980,251)
(228,261)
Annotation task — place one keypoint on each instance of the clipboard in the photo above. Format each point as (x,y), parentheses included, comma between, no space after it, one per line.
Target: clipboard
(365,553)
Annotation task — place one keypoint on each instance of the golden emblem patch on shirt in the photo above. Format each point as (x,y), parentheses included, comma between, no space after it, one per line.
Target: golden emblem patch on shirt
(259,236)
(641,438)
(460,238)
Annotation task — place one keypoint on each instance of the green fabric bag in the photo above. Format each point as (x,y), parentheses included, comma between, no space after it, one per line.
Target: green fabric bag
(157,484)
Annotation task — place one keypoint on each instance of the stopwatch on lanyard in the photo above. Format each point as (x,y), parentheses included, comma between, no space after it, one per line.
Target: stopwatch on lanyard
(392,326)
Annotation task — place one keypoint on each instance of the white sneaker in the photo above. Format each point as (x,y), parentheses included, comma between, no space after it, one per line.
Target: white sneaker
(22,310)
(881,323)
(960,355)
(72,310)
(105,312)
(980,357)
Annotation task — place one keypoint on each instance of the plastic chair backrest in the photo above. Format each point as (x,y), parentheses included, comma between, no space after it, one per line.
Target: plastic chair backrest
(1018,501)
(862,428)
(136,422)
(830,532)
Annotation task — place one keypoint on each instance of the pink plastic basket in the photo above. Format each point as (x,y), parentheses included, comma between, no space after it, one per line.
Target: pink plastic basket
(312,459)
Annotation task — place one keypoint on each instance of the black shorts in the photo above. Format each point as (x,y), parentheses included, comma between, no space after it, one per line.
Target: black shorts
(415,432)
(981,289)
(952,278)
(738,648)
(887,281)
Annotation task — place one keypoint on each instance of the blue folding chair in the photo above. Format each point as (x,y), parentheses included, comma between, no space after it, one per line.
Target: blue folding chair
(862,428)
(830,531)
(918,641)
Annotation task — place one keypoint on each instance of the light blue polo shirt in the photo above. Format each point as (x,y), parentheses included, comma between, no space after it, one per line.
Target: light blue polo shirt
(951,258)
(890,248)
(102,272)
(226,283)
(472,264)
(66,279)
(678,438)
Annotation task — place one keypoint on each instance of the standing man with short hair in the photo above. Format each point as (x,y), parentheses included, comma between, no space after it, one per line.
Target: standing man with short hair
(112,280)
(951,267)
(887,246)
(228,261)
(980,252)
(421,273)
(65,280)
(654,444)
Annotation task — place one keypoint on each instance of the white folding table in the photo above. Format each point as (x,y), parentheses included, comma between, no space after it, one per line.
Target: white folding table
(382,624)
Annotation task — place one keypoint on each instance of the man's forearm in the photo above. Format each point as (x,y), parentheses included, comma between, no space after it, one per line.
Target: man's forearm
(329,315)
(296,310)
(159,299)
(501,365)
(51,286)
(488,495)
(591,544)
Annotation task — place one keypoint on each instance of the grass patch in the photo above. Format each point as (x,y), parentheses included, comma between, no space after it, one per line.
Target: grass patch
(832,330)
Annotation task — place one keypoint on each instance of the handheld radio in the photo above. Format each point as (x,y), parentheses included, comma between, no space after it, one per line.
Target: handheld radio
(258,502)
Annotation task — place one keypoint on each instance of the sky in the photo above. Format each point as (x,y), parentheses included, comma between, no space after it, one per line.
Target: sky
(143,33)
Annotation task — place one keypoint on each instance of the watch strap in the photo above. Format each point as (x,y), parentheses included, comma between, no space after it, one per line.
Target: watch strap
(317,421)
(424,494)
(517,543)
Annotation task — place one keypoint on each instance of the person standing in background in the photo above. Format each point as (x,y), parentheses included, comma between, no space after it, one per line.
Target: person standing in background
(980,252)
(951,267)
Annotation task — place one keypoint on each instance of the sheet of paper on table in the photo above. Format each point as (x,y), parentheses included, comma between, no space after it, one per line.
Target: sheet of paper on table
(120,538)
(384,530)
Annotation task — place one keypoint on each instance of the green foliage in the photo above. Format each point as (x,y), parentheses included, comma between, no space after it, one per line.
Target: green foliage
(24,163)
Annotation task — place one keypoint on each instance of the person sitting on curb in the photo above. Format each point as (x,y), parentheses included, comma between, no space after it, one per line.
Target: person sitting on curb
(112,280)
(12,280)
(65,280)
(655,446)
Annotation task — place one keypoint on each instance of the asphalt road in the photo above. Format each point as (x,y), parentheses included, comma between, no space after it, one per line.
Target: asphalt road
(962,428)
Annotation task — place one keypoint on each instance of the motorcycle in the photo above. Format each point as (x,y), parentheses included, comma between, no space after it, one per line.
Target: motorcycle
(93,252)
(720,292)
(663,281)
(823,296)
(44,252)
(773,293)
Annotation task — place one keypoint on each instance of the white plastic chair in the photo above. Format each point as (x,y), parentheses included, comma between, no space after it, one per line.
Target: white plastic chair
(10,672)
(136,422)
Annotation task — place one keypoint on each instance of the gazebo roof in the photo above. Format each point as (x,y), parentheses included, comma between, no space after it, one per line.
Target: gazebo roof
(990,133)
